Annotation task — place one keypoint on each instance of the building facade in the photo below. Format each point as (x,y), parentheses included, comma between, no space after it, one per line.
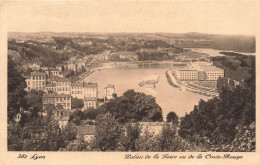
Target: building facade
(109,91)
(90,95)
(54,72)
(57,99)
(37,81)
(63,85)
(77,90)
(187,75)
(72,66)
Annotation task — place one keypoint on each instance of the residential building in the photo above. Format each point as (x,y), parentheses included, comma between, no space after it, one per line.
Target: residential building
(72,66)
(54,72)
(63,85)
(51,87)
(77,90)
(109,91)
(90,95)
(37,80)
(57,99)
(60,68)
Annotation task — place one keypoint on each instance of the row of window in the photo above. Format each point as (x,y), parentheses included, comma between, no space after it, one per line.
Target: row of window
(63,89)
(54,72)
(76,92)
(57,99)
(37,88)
(38,78)
(76,87)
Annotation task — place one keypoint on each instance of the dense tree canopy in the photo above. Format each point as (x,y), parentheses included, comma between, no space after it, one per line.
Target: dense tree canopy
(133,106)
(172,117)
(16,93)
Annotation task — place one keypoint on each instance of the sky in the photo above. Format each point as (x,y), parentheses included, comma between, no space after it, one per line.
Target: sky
(169,17)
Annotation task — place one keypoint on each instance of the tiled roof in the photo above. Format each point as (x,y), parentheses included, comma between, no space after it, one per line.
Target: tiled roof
(77,84)
(59,79)
(38,74)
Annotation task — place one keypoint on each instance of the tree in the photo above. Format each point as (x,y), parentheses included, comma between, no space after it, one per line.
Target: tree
(108,132)
(16,93)
(34,99)
(90,113)
(173,117)
(76,116)
(77,103)
(148,142)
(130,137)
(69,73)
(170,141)
(133,107)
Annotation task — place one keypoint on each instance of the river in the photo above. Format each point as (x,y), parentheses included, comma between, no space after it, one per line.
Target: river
(128,77)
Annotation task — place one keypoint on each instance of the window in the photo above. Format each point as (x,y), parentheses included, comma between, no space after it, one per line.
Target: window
(40,78)
(68,104)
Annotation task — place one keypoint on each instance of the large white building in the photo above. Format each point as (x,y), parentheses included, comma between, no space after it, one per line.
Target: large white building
(187,74)
(212,73)
(203,71)
(37,81)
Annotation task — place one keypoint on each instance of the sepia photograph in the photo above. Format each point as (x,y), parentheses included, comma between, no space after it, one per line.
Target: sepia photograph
(104,76)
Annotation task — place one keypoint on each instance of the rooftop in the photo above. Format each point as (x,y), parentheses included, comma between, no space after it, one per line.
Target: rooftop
(59,79)
(38,74)
(77,84)
(90,85)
